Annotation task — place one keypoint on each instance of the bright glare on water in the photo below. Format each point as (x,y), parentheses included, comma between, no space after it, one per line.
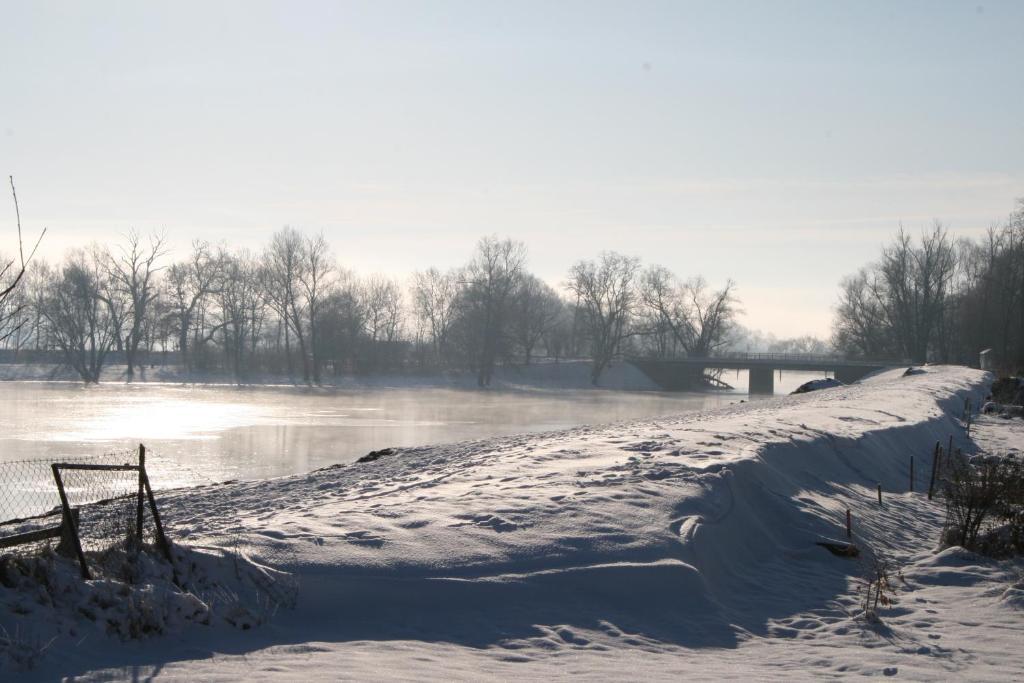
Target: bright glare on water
(199,433)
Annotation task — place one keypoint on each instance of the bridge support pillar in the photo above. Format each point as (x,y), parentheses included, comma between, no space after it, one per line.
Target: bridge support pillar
(762,380)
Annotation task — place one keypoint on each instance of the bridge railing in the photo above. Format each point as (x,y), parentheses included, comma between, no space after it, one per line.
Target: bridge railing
(818,358)
(794,357)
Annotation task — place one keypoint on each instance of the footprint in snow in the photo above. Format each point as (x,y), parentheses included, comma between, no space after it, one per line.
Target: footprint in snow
(415,524)
(486,521)
(364,538)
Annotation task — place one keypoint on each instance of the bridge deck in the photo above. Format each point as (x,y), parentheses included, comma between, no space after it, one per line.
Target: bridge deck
(680,374)
(777,361)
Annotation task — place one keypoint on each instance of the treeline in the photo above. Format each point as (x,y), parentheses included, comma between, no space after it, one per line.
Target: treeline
(939,299)
(290,309)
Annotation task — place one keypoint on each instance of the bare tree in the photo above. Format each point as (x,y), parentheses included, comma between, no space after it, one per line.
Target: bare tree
(491,278)
(131,275)
(342,323)
(315,280)
(606,290)
(382,302)
(911,290)
(916,282)
(80,321)
(11,273)
(698,318)
(712,315)
(188,285)
(668,319)
(536,308)
(283,270)
(436,302)
(861,327)
(241,308)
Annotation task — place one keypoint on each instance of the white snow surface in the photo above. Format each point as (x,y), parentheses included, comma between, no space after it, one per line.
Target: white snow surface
(647,550)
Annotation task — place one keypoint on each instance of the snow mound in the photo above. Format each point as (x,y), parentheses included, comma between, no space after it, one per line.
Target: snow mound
(44,600)
(817,385)
(652,549)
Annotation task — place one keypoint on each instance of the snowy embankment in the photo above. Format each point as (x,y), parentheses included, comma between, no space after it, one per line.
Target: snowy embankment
(649,549)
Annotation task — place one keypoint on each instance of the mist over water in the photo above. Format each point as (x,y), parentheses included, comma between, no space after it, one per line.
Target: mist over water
(202,433)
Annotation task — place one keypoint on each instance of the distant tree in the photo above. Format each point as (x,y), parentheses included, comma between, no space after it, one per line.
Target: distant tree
(283,270)
(713,312)
(606,291)
(343,322)
(903,301)
(436,300)
(698,318)
(80,321)
(861,327)
(914,285)
(188,285)
(536,309)
(315,280)
(242,309)
(383,316)
(665,314)
(558,336)
(131,275)
(491,278)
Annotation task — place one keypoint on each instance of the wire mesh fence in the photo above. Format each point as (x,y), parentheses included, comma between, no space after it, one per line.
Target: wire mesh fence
(98,509)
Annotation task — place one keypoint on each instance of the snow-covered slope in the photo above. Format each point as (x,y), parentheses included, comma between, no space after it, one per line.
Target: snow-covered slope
(650,549)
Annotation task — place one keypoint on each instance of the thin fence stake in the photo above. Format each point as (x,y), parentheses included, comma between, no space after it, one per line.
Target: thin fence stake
(140,505)
(849,524)
(935,466)
(161,538)
(879,494)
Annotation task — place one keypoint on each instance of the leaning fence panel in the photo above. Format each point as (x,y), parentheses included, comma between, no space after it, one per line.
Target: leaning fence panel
(99,510)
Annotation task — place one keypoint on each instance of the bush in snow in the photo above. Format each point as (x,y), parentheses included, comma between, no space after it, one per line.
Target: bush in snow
(985,505)
(879,589)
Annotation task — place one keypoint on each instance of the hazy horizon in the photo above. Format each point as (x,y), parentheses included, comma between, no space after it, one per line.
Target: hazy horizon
(778,145)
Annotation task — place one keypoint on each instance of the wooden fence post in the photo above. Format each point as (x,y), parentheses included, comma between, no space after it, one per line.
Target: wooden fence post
(879,494)
(69,520)
(140,504)
(849,524)
(935,467)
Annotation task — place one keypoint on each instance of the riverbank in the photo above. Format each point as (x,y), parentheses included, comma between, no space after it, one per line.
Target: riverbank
(572,374)
(657,549)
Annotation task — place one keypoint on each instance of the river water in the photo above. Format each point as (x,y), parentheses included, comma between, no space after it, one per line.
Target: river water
(204,433)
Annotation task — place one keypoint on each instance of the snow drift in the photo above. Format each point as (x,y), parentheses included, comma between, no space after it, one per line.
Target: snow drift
(605,550)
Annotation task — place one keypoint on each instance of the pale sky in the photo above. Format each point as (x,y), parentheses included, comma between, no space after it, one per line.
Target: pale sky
(780,144)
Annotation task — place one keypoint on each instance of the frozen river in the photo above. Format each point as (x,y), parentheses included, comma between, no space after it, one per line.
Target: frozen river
(203,433)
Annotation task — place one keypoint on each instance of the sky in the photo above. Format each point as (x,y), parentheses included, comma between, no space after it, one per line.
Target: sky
(778,144)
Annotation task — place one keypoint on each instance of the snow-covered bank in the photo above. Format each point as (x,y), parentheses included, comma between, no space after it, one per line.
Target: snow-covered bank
(571,374)
(648,549)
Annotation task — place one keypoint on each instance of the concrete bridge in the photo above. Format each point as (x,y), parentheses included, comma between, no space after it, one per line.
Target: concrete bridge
(679,374)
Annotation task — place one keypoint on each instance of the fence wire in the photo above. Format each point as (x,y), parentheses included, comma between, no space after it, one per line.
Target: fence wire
(105,502)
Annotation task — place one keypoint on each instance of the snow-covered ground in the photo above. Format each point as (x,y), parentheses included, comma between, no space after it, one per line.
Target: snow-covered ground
(656,549)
